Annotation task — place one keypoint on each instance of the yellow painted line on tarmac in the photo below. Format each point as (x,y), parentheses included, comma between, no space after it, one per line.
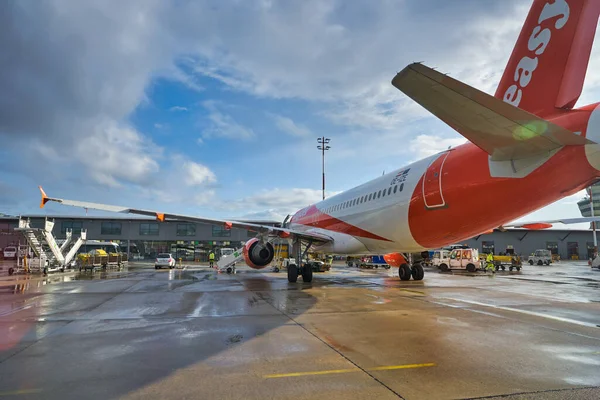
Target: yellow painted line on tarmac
(344,371)
(407,366)
(20,392)
(331,371)
(413,291)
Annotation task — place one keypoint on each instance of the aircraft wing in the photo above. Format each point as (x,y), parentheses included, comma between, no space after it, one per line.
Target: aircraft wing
(535,225)
(500,129)
(262,229)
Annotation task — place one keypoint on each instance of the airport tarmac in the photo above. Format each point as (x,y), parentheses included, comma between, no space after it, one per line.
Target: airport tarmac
(350,334)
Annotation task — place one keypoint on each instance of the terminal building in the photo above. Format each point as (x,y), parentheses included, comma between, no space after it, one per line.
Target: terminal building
(144,238)
(141,238)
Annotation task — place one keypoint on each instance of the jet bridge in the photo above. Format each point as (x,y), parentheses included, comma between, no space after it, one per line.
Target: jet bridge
(48,254)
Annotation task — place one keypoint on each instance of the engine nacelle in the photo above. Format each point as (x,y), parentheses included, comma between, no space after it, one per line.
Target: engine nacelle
(395,259)
(258,255)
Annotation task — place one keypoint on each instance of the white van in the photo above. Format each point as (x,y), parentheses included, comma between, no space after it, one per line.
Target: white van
(10,253)
(464,259)
(441,257)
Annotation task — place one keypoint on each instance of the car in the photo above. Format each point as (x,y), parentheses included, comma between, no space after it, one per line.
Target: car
(10,252)
(164,260)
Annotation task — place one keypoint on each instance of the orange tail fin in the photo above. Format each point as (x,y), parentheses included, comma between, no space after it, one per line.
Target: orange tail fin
(547,67)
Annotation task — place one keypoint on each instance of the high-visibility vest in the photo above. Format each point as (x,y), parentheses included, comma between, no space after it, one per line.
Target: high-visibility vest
(211,256)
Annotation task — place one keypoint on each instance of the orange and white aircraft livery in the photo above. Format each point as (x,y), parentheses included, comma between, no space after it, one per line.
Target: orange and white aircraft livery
(527,142)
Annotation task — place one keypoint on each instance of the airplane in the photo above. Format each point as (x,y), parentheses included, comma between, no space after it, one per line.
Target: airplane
(527,148)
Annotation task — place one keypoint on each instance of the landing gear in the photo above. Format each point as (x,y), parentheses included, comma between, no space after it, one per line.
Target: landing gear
(404,272)
(292,271)
(417,272)
(307,273)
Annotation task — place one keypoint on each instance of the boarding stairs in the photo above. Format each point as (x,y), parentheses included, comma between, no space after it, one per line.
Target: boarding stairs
(227,262)
(41,239)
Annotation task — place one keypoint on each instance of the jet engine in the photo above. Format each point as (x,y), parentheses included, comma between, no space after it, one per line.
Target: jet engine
(395,259)
(257,254)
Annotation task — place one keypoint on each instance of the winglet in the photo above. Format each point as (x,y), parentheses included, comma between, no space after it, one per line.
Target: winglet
(45,197)
(160,217)
(228,225)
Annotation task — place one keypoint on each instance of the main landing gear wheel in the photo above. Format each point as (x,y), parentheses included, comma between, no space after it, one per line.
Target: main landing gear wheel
(404,272)
(417,272)
(307,273)
(292,271)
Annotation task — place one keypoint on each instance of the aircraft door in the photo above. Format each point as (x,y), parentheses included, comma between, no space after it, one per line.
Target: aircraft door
(432,183)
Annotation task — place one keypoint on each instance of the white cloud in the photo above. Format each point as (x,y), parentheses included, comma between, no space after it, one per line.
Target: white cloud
(114,153)
(347,54)
(427,145)
(287,125)
(205,197)
(275,202)
(178,108)
(224,125)
(197,174)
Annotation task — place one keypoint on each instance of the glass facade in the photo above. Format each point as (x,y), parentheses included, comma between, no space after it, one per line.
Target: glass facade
(149,229)
(110,228)
(487,247)
(220,231)
(186,229)
(187,250)
(75,226)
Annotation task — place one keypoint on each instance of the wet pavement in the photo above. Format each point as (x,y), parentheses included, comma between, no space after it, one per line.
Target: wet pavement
(186,334)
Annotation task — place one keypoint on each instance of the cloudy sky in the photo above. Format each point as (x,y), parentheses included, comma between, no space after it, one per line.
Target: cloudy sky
(213,107)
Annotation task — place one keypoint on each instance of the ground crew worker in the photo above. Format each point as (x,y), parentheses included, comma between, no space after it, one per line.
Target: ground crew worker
(489,263)
(211,258)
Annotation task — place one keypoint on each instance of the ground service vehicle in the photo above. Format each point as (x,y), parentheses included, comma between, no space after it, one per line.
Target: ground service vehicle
(164,260)
(509,261)
(441,259)
(99,258)
(10,253)
(541,257)
(463,259)
(527,135)
(370,262)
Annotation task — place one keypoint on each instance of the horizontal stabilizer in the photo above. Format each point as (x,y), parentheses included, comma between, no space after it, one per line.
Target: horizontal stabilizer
(502,130)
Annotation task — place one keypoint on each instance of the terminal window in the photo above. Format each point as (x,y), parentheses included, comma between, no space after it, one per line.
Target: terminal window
(75,226)
(110,228)
(219,231)
(186,230)
(487,247)
(149,229)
